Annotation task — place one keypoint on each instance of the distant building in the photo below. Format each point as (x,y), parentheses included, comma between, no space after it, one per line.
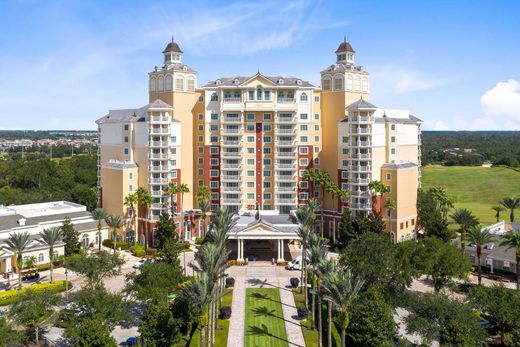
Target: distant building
(34,218)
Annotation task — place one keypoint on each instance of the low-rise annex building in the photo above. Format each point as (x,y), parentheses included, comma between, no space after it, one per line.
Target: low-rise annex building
(34,218)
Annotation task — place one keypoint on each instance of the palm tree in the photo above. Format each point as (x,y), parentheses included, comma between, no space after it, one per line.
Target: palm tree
(327,267)
(511,204)
(144,198)
(317,255)
(100,215)
(183,189)
(511,239)
(309,176)
(444,202)
(465,219)
(203,197)
(341,288)
(479,237)
(17,243)
(172,190)
(498,209)
(199,291)
(304,217)
(377,188)
(114,222)
(131,201)
(51,236)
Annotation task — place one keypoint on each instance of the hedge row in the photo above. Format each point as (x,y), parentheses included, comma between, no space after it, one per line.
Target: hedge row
(9,296)
(123,245)
(138,250)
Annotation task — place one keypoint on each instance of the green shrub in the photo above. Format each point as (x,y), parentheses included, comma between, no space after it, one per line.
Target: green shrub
(9,296)
(199,240)
(183,245)
(110,244)
(138,250)
(151,251)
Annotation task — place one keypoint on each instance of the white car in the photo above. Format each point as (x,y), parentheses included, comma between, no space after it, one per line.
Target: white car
(139,263)
(296,264)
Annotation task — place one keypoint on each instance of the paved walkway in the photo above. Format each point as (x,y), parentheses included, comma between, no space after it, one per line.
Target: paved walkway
(262,275)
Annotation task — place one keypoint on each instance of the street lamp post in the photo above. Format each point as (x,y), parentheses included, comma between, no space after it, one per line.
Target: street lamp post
(66,283)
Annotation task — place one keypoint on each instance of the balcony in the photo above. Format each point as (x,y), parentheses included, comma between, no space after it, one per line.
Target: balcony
(359,193)
(159,144)
(163,131)
(358,168)
(360,143)
(286,104)
(285,166)
(286,189)
(231,130)
(231,119)
(285,154)
(232,178)
(360,155)
(285,143)
(286,119)
(158,168)
(288,178)
(285,201)
(226,143)
(230,189)
(160,119)
(156,193)
(232,100)
(163,156)
(360,130)
(163,180)
(231,154)
(226,201)
(359,206)
(359,180)
(259,105)
(285,131)
(360,119)
(232,166)
(158,206)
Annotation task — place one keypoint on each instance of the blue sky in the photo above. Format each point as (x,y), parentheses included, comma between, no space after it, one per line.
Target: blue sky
(455,64)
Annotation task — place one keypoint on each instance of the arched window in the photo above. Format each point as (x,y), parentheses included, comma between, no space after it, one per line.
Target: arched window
(179,83)
(365,84)
(349,82)
(357,83)
(130,236)
(338,83)
(40,258)
(214,97)
(190,84)
(303,97)
(259,93)
(326,83)
(86,240)
(168,82)
(160,83)
(152,84)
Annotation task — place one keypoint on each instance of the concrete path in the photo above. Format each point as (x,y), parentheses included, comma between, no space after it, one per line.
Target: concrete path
(262,275)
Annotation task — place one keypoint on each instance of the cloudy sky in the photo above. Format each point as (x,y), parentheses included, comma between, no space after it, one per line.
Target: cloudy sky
(455,64)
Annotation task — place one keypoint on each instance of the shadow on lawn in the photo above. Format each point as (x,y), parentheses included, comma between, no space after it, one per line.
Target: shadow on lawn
(265,312)
(263,331)
(260,296)
(259,283)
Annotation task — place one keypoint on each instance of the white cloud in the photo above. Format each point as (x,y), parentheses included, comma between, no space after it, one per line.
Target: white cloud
(503,101)
(403,80)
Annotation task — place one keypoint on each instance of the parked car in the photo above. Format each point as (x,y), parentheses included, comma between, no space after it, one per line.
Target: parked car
(251,257)
(139,263)
(296,264)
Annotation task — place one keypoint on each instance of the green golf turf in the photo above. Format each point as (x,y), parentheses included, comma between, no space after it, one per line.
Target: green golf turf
(264,326)
(475,188)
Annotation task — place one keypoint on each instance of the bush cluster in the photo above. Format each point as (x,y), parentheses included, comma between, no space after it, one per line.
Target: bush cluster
(9,296)
(302,312)
(295,281)
(230,282)
(123,245)
(138,250)
(225,312)
(199,240)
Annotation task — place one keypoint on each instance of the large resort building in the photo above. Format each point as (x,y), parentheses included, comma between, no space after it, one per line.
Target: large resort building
(250,139)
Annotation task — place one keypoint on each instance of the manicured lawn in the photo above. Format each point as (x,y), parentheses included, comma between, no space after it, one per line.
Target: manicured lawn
(221,335)
(475,188)
(265,326)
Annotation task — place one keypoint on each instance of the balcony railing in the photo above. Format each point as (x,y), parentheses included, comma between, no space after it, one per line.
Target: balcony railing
(360,206)
(160,119)
(285,189)
(158,168)
(359,193)
(285,143)
(231,166)
(231,119)
(231,177)
(158,206)
(231,201)
(360,143)
(284,131)
(231,143)
(285,100)
(360,131)
(286,119)
(286,154)
(360,119)
(359,168)
(360,180)
(285,166)
(285,201)
(285,177)
(157,180)
(360,155)
(159,131)
(159,143)
(158,155)
(231,131)
(156,193)
(232,100)
(230,189)
(231,154)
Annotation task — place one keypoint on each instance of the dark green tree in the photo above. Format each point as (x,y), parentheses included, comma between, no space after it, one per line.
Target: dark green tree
(442,262)
(500,304)
(170,252)
(90,333)
(153,280)
(97,266)
(431,216)
(372,321)
(70,237)
(361,224)
(165,230)
(158,327)
(8,336)
(346,229)
(376,224)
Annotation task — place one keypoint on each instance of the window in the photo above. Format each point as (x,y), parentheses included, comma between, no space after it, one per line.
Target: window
(316,149)
(304,162)
(304,184)
(259,93)
(316,99)
(168,82)
(250,150)
(344,162)
(174,138)
(200,172)
(267,127)
(179,83)
(250,116)
(213,173)
(173,174)
(152,84)
(317,161)
(160,83)
(303,97)
(344,174)
(40,258)
(250,184)
(214,116)
(316,127)
(250,196)
(401,226)
(267,173)
(388,176)
(413,221)
(267,196)
(392,139)
(250,127)
(126,151)
(200,149)
(267,150)
(267,184)
(326,83)
(250,139)
(268,139)
(316,138)
(213,127)
(251,94)
(304,150)
(213,161)
(214,97)
(316,116)
(392,127)
(365,84)
(213,184)
(251,173)
(267,95)
(303,127)
(130,175)
(303,116)
(250,162)
(200,138)
(344,151)
(349,82)
(388,189)
(191,84)
(213,139)
(213,150)
(126,127)
(304,196)
(215,196)
(201,98)
(267,162)
(303,139)
(200,116)
(357,83)
(344,139)
(392,151)
(338,83)
(267,116)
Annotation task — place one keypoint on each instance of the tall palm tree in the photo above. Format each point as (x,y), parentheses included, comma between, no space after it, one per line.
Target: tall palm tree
(144,198)
(17,243)
(341,288)
(183,189)
(114,222)
(317,255)
(498,209)
(309,176)
(511,204)
(51,236)
(444,202)
(199,291)
(100,215)
(172,189)
(479,237)
(304,217)
(327,267)
(203,198)
(511,239)
(131,201)
(465,219)
(377,188)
